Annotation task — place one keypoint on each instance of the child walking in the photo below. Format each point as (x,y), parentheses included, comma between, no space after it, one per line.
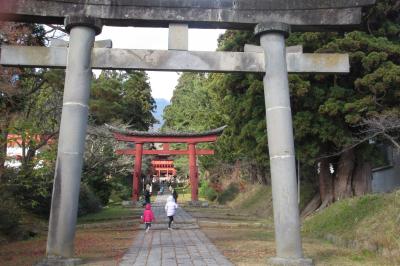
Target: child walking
(170,209)
(148,217)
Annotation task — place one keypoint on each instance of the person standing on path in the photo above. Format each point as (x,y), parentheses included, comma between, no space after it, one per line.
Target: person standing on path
(170,209)
(175,195)
(147,196)
(148,217)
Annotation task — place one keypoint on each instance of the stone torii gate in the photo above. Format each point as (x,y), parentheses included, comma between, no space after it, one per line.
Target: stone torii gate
(191,139)
(272,20)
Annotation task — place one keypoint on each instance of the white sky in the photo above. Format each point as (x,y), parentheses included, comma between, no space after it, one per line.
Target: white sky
(162,83)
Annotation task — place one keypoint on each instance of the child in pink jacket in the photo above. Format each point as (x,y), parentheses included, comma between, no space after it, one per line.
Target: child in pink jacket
(148,217)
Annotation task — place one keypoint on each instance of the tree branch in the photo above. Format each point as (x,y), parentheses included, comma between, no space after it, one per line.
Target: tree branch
(391,139)
(348,148)
(56,28)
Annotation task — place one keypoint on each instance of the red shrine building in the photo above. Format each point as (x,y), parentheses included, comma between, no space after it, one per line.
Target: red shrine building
(188,138)
(15,150)
(163,167)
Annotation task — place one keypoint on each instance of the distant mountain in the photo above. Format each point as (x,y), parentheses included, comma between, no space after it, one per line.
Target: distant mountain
(161,104)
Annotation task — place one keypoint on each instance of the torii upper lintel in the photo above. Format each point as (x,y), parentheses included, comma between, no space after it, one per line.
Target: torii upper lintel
(229,14)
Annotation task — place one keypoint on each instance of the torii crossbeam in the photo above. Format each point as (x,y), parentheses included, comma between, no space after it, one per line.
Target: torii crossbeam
(189,138)
(273,20)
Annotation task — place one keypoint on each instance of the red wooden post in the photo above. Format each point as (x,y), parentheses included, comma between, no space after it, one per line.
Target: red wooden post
(193,171)
(137,171)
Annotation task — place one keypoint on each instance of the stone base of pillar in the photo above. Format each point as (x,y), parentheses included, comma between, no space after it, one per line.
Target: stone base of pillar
(290,262)
(59,261)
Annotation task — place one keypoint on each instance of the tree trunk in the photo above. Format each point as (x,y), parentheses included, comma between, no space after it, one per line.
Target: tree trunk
(344,174)
(325,183)
(311,206)
(29,157)
(3,149)
(236,171)
(362,178)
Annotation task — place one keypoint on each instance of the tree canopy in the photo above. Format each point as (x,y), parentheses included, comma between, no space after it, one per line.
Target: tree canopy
(328,110)
(124,97)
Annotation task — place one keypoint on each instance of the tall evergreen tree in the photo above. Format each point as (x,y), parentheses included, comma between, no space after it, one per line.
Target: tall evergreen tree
(327,109)
(116,97)
(125,97)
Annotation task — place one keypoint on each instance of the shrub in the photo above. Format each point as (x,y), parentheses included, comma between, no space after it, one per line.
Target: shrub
(9,217)
(9,213)
(99,185)
(229,193)
(88,202)
(206,191)
(122,187)
(32,190)
(211,194)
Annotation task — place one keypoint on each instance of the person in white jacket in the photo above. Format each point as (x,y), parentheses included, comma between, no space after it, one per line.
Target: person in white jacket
(170,209)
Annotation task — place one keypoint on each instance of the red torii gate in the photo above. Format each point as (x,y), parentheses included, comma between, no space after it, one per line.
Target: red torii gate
(141,137)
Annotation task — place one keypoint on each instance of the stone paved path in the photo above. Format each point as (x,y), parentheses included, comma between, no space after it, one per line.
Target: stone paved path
(185,245)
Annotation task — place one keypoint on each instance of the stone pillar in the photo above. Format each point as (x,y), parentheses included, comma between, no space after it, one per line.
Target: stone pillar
(281,146)
(193,171)
(137,171)
(71,144)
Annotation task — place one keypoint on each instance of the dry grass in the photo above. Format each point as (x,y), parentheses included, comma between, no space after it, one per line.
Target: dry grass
(96,246)
(383,228)
(103,245)
(249,246)
(255,201)
(22,252)
(369,222)
(360,220)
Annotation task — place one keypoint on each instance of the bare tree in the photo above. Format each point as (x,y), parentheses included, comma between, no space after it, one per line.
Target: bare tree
(384,125)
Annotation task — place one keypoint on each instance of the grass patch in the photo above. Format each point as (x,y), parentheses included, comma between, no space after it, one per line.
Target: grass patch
(249,246)
(256,200)
(110,213)
(362,256)
(369,222)
(207,191)
(228,194)
(343,216)
(307,192)
(184,195)
(183,190)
